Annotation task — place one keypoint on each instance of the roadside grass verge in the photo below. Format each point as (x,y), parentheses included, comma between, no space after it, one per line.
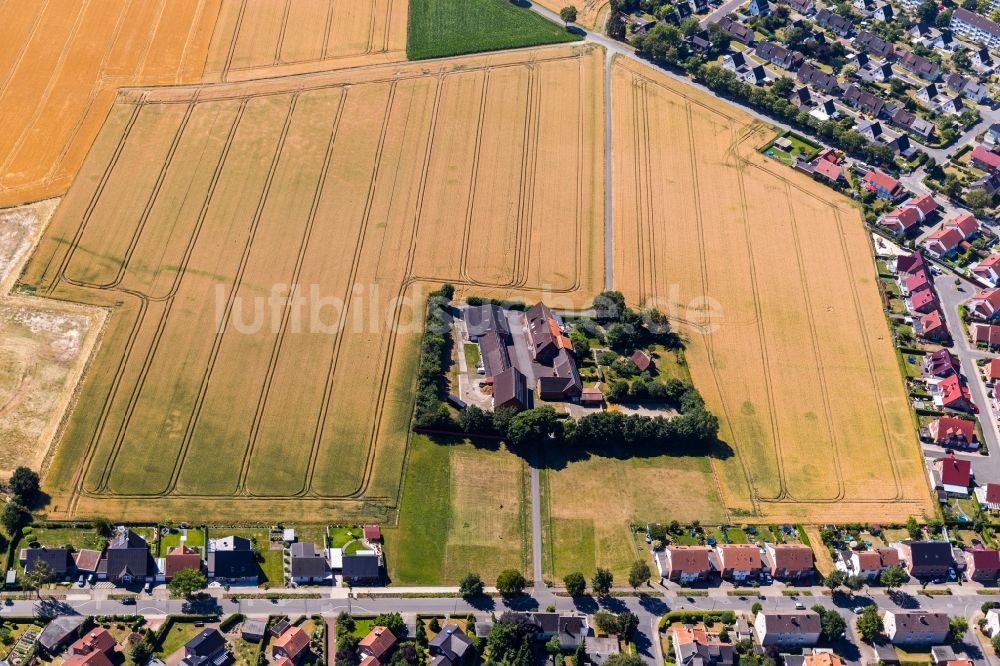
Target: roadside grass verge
(440,28)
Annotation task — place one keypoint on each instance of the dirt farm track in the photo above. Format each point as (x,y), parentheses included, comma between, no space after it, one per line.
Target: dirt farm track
(62,62)
(197,204)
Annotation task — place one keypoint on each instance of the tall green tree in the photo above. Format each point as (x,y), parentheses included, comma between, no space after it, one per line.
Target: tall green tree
(576,584)
(511,582)
(639,574)
(470,586)
(186,582)
(602,581)
(568,14)
(869,624)
(24,484)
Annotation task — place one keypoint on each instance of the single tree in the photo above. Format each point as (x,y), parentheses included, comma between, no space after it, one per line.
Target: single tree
(391,621)
(141,651)
(24,484)
(893,577)
(602,581)
(912,528)
(511,582)
(833,625)
(568,14)
(580,656)
(639,574)
(996,643)
(41,572)
(576,584)
(869,624)
(15,516)
(958,625)
(756,607)
(470,586)
(186,582)
(628,622)
(855,582)
(835,579)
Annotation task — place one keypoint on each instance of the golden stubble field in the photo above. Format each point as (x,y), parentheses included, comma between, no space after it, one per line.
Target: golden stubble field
(589,13)
(62,62)
(198,206)
(773,277)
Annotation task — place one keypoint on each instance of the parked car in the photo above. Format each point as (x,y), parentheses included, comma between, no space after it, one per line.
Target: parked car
(858,610)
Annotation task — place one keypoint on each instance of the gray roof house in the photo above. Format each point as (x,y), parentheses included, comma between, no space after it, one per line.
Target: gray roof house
(231,559)
(361,568)
(61,631)
(128,558)
(452,644)
(307,564)
(57,559)
(479,319)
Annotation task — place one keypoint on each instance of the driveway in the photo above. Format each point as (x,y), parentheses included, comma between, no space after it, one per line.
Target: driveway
(986,468)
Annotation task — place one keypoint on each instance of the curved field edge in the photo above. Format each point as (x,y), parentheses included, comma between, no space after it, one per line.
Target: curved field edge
(441,28)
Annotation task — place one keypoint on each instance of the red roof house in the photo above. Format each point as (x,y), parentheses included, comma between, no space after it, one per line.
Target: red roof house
(944,242)
(985,159)
(992,370)
(642,360)
(829,170)
(884,185)
(988,270)
(916,282)
(940,363)
(950,393)
(377,643)
(925,205)
(907,264)
(951,431)
(922,301)
(372,533)
(965,223)
(291,644)
(985,304)
(982,564)
(92,649)
(181,557)
(931,327)
(988,334)
(989,496)
(955,474)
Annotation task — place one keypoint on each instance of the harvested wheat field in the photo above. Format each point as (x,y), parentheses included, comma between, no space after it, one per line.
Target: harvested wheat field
(198,207)
(61,64)
(589,13)
(44,346)
(256,38)
(773,276)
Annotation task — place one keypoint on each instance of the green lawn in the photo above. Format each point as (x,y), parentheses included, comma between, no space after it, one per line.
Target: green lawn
(68,536)
(362,626)
(175,638)
(471,356)
(463,509)
(193,538)
(439,28)
(340,536)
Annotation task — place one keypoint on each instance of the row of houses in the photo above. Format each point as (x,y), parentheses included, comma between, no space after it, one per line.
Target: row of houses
(923,560)
(739,562)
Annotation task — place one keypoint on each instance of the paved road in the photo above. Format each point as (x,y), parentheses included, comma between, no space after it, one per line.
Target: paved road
(724,8)
(986,468)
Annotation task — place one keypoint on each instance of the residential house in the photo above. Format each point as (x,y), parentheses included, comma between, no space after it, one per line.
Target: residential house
(921,66)
(738,561)
(992,622)
(871,130)
(884,185)
(685,564)
(987,334)
(901,145)
(92,649)
(951,105)
(955,475)
(790,562)
(801,98)
(835,23)
(643,361)
(985,304)
(734,61)
(923,301)
(817,79)
(926,559)
(915,283)
(56,559)
(989,496)
(915,627)
(871,563)
(834,173)
(778,55)
(88,561)
(881,72)
(905,265)
(966,223)
(883,13)
(967,88)
(804,7)
(944,242)
(564,382)
(545,333)
(982,565)
(928,94)
(127,558)
(207,648)
(308,564)
(859,59)
(753,76)
(985,160)
(60,631)
(950,393)
(293,644)
(179,558)
(931,326)
(913,123)
(875,45)
(864,101)
(988,270)
(825,110)
(696,647)
(231,560)
(940,363)
(787,629)
(759,8)
(991,371)
(362,567)
(493,353)
(975,27)
(953,432)
(988,183)
(451,647)
(741,33)
(372,533)
(510,390)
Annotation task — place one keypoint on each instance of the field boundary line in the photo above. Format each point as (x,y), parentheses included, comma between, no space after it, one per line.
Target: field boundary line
(473,180)
(232,45)
(281,33)
(141,64)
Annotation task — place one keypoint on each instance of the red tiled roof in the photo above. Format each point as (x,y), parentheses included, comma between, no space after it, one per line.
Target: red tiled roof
(966,223)
(181,557)
(993,369)
(641,360)
(691,559)
(949,427)
(869,560)
(985,558)
(890,556)
(883,180)
(951,390)
(904,217)
(987,157)
(930,322)
(948,238)
(988,333)
(367,661)
(993,493)
(954,471)
(740,557)
(909,263)
(373,532)
(990,261)
(986,302)
(378,641)
(292,642)
(922,297)
(916,281)
(793,557)
(925,203)
(825,167)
